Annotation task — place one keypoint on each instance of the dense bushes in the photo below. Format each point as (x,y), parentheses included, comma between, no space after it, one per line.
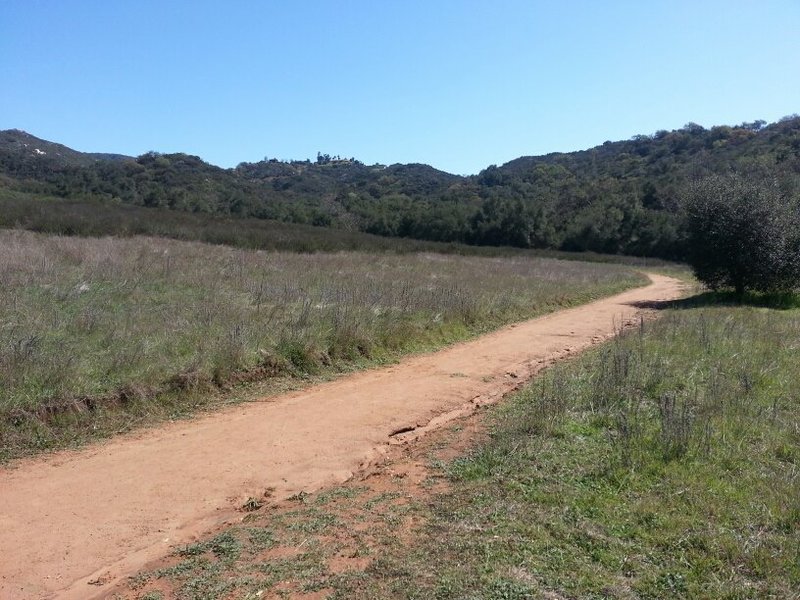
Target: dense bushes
(619,197)
(742,233)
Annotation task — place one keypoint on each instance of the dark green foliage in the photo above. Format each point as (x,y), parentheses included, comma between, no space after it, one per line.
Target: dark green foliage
(620,197)
(98,218)
(742,234)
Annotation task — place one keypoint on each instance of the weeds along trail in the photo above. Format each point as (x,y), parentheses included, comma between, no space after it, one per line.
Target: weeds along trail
(662,464)
(100,334)
(99,514)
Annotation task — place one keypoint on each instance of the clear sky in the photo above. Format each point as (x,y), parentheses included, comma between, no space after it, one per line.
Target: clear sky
(457,84)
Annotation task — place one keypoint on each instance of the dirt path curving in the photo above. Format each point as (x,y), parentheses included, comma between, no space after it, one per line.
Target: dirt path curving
(73,523)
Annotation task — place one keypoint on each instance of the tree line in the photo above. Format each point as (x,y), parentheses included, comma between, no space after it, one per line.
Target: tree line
(620,197)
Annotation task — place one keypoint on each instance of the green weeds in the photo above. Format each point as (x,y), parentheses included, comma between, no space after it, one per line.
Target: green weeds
(661,465)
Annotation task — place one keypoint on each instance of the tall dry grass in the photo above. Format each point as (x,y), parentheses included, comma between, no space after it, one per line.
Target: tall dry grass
(91,325)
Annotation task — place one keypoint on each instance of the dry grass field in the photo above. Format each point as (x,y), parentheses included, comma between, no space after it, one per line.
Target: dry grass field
(98,335)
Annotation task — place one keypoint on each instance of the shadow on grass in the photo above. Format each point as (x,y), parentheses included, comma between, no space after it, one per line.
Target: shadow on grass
(780,301)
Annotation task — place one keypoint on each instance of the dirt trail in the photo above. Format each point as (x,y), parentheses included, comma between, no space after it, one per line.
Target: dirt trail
(74,522)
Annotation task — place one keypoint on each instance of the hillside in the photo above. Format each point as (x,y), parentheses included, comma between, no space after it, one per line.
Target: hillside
(619,197)
(26,149)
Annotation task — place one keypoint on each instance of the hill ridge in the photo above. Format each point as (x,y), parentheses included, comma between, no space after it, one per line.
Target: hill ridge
(618,197)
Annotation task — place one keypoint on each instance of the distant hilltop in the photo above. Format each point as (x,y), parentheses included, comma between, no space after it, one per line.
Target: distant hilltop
(22,142)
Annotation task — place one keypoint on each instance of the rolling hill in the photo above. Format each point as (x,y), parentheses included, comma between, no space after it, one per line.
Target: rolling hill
(619,197)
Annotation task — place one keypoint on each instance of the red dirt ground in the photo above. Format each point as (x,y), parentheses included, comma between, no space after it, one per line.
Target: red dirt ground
(101,513)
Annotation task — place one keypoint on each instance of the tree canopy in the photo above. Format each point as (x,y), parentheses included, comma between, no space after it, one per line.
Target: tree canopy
(742,233)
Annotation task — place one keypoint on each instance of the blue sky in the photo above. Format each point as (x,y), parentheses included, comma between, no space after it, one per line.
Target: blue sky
(455,84)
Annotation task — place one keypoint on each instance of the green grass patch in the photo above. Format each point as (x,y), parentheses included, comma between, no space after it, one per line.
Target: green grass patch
(663,465)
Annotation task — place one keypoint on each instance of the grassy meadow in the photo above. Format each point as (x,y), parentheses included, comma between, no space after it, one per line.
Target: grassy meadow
(661,465)
(98,335)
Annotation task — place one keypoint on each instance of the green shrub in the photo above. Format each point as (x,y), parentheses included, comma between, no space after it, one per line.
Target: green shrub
(742,234)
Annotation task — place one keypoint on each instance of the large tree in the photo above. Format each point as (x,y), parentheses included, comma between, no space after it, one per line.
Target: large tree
(742,233)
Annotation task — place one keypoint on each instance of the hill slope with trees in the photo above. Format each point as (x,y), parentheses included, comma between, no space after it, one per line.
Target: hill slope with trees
(619,197)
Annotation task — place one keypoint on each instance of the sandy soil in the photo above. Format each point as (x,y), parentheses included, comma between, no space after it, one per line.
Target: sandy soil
(374,506)
(74,523)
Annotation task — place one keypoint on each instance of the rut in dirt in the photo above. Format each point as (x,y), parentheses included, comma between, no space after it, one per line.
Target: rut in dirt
(73,523)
